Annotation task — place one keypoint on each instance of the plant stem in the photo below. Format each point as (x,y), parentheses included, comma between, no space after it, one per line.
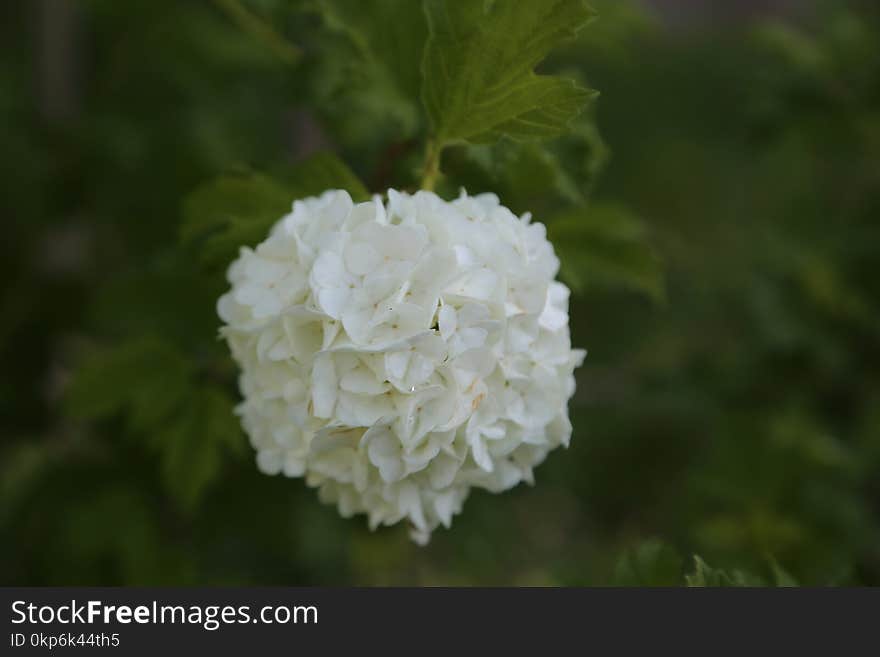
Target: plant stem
(431,167)
(260,29)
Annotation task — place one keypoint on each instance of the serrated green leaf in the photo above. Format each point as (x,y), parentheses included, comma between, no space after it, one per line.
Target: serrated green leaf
(606,245)
(478,69)
(653,563)
(238,210)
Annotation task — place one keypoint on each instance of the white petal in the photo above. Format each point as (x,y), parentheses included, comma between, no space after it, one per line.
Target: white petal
(323,386)
(270,461)
(361,258)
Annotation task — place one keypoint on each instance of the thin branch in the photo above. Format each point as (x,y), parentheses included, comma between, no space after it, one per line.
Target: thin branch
(431,167)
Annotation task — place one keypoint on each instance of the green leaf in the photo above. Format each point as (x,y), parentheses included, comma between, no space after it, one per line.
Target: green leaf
(367,75)
(230,212)
(706,576)
(146,377)
(781,577)
(606,245)
(262,31)
(478,69)
(538,177)
(167,297)
(389,37)
(527,176)
(653,563)
(192,446)
(583,154)
(114,524)
(24,467)
(801,52)
(238,210)
(320,172)
(153,385)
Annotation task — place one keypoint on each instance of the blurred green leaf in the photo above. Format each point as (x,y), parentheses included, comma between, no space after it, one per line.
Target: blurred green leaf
(230,212)
(153,385)
(540,178)
(260,30)
(706,576)
(193,443)
(320,172)
(583,154)
(366,78)
(622,23)
(606,245)
(781,577)
(801,52)
(233,211)
(114,522)
(146,377)
(524,175)
(24,465)
(478,70)
(652,563)
(389,37)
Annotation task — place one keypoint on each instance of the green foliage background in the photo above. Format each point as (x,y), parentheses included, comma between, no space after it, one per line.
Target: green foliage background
(717,212)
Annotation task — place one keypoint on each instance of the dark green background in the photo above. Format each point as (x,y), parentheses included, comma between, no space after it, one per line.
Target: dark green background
(733,412)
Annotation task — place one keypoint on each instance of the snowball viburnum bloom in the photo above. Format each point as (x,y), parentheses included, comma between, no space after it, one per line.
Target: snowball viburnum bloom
(398,354)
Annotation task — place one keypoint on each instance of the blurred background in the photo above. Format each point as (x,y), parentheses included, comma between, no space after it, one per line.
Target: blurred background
(726,278)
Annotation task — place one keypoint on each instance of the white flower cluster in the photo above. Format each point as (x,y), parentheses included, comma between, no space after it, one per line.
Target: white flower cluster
(396,355)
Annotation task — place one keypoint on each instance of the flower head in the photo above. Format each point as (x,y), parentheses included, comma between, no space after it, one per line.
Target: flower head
(397,355)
